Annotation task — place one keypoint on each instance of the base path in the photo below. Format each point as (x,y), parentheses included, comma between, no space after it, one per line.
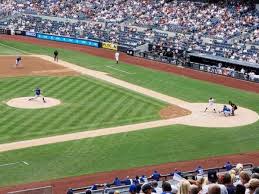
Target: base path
(197,117)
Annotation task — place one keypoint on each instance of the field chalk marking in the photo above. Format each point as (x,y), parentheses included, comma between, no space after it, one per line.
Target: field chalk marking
(14,163)
(112,67)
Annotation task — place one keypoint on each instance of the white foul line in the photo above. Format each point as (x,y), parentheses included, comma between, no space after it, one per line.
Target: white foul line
(14,163)
(110,66)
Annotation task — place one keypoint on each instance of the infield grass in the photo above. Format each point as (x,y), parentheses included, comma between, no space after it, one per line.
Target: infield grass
(86,104)
(140,148)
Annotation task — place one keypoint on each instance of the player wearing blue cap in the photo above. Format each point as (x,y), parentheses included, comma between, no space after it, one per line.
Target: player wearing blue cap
(38,94)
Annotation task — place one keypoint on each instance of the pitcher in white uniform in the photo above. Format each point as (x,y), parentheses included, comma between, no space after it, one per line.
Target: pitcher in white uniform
(211,105)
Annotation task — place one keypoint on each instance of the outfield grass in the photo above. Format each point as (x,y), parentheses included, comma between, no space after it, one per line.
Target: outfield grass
(140,148)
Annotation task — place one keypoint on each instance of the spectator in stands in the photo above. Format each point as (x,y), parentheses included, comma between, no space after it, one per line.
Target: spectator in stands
(194,189)
(240,189)
(239,167)
(184,188)
(143,179)
(136,180)
(166,188)
(176,171)
(157,189)
(212,179)
(146,188)
(252,185)
(228,183)
(244,177)
(70,191)
(255,169)
(88,191)
(117,181)
(155,176)
(127,181)
(133,189)
(214,189)
(255,176)
(228,166)
(94,187)
(199,170)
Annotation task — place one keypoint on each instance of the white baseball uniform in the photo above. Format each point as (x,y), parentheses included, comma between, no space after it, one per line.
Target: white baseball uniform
(117,55)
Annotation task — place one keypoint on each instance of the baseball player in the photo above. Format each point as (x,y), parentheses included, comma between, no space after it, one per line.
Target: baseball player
(211,105)
(234,108)
(56,55)
(18,61)
(227,111)
(37,92)
(117,55)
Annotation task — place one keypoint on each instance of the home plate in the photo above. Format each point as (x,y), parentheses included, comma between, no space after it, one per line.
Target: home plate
(24,102)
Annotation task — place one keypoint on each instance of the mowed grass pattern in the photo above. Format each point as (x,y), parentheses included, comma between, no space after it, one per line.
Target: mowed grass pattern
(86,104)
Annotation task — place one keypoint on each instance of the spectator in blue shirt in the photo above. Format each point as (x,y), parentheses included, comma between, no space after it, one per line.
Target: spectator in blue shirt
(143,179)
(136,180)
(155,176)
(117,182)
(94,187)
(127,181)
(228,166)
(133,189)
(199,170)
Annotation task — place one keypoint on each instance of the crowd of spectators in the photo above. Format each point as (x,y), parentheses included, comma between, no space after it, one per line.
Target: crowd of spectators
(234,180)
(190,21)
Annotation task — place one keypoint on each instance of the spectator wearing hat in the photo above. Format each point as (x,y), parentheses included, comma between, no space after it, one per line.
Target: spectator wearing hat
(228,166)
(94,187)
(155,176)
(146,188)
(199,170)
(252,185)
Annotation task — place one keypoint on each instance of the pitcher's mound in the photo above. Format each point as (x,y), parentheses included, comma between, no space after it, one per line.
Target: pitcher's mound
(24,102)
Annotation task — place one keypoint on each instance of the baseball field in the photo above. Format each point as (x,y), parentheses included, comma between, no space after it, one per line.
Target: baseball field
(90,104)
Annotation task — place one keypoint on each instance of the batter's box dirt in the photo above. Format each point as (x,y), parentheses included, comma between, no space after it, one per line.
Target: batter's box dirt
(31,66)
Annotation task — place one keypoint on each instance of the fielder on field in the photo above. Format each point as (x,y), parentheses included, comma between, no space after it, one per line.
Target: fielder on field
(211,105)
(18,61)
(38,94)
(117,55)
